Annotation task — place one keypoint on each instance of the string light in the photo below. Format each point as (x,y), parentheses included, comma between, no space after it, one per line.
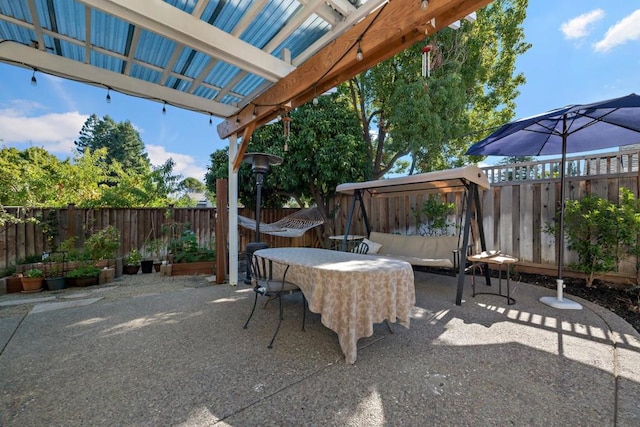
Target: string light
(315,96)
(164,108)
(108,96)
(34,81)
(237,119)
(210,119)
(424,5)
(255,112)
(359,54)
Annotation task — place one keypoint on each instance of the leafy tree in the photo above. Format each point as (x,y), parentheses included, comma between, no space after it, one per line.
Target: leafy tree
(471,89)
(324,149)
(120,139)
(192,185)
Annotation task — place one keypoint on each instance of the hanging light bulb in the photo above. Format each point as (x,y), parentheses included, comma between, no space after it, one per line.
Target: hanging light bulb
(315,96)
(108,96)
(34,81)
(237,119)
(164,108)
(424,5)
(255,112)
(210,119)
(359,55)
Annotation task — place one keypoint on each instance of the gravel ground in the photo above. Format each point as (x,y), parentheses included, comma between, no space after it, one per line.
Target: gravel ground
(126,286)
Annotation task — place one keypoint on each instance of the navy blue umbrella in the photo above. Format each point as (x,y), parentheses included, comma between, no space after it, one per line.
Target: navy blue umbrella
(571,129)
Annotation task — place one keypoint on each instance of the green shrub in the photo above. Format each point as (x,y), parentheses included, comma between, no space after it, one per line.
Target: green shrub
(186,249)
(600,232)
(85,271)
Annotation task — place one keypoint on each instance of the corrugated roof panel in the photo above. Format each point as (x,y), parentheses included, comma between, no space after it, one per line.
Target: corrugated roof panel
(270,21)
(205,92)
(154,49)
(109,32)
(143,73)
(304,36)
(248,84)
(72,51)
(221,74)
(18,9)
(16,32)
(191,62)
(185,5)
(62,16)
(230,99)
(225,15)
(179,84)
(107,62)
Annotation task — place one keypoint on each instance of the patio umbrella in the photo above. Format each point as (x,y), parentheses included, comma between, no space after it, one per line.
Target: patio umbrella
(571,129)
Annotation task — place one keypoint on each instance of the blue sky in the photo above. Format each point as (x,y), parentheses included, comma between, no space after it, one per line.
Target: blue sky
(582,52)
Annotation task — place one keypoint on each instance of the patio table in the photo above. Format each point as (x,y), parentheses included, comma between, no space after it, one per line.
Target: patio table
(350,291)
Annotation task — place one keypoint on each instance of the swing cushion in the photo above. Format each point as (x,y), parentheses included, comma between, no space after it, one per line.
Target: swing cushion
(437,251)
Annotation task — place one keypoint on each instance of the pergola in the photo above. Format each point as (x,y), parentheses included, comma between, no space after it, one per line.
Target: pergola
(245,61)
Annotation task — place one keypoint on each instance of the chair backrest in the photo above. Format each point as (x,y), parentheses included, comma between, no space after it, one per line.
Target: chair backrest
(269,274)
(361,248)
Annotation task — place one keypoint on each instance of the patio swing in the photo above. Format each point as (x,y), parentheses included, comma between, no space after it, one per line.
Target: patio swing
(469,178)
(294,225)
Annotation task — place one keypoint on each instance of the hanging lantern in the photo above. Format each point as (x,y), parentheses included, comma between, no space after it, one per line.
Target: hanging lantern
(426,61)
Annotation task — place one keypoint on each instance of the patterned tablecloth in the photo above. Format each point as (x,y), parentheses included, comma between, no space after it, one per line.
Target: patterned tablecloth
(350,291)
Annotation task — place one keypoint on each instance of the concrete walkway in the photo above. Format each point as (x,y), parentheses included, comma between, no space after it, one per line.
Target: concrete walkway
(182,358)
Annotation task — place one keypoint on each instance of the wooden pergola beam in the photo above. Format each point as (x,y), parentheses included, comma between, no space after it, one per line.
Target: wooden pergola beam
(394,27)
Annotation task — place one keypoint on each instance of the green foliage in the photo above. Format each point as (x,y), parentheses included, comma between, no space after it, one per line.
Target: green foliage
(33,272)
(103,244)
(186,249)
(435,213)
(83,271)
(134,258)
(472,88)
(600,232)
(122,141)
(155,247)
(325,149)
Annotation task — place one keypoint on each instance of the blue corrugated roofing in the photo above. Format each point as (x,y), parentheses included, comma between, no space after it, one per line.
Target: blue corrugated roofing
(165,42)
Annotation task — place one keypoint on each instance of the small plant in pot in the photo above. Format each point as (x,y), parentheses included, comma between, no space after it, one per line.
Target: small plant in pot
(132,262)
(32,280)
(54,278)
(83,276)
(157,248)
(103,245)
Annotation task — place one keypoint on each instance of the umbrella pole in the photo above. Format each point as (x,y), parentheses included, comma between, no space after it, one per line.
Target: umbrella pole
(558,301)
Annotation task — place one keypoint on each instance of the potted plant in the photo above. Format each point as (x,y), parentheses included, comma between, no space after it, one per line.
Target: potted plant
(156,247)
(103,245)
(189,257)
(132,262)
(83,276)
(32,280)
(54,277)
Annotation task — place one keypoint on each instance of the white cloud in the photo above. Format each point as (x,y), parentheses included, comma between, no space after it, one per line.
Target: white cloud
(185,165)
(623,31)
(55,132)
(577,27)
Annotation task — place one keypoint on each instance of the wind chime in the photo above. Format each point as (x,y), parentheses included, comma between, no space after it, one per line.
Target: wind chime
(426,64)
(286,124)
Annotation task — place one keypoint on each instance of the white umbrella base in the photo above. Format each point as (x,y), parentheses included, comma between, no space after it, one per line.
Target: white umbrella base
(558,301)
(564,304)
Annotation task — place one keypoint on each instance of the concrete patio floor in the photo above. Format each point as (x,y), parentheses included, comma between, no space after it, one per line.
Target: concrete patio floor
(182,358)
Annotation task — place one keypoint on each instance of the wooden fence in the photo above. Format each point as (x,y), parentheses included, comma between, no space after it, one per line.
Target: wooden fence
(522,199)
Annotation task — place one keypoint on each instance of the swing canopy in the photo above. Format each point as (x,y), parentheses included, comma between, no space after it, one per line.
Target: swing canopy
(446,180)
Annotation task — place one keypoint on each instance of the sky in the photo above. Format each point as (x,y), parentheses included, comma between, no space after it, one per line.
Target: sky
(581,52)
